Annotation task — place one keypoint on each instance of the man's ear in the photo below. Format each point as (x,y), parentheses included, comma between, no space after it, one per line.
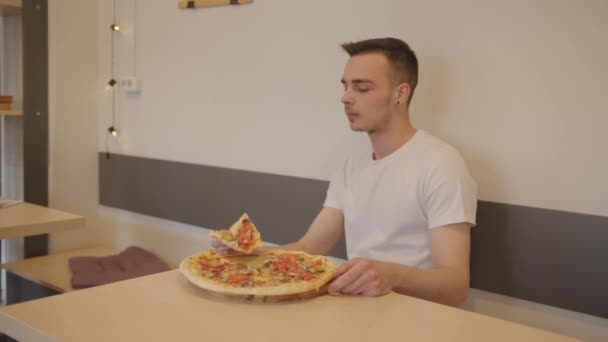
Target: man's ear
(403,92)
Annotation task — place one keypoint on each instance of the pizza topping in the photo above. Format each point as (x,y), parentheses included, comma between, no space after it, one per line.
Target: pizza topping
(284,266)
(239,279)
(245,234)
(277,269)
(308,276)
(294,266)
(212,262)
(210,265)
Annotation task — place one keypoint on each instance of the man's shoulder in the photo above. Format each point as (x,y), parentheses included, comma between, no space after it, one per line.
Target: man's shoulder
(435,149)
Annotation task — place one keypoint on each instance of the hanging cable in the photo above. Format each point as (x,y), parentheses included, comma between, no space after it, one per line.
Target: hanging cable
(114,28)
(135,38)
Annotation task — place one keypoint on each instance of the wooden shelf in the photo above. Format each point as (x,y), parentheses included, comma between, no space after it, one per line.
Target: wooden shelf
(209,3)
(10,7)
(12,112)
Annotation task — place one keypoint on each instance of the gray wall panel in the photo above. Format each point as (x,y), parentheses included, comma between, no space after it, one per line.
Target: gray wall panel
(213,197)
(547,256)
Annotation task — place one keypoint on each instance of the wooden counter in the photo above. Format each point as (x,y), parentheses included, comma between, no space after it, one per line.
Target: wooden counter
(165,307)
(25,219)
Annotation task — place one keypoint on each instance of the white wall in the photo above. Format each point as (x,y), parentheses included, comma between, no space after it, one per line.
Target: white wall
(74,99)
(516,86)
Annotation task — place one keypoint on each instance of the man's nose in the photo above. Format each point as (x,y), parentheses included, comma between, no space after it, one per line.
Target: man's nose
(346,97)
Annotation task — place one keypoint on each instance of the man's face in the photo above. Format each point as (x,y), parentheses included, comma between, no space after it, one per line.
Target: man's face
(369,93)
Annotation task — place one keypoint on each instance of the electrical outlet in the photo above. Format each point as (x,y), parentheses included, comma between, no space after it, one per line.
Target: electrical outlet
(130,84)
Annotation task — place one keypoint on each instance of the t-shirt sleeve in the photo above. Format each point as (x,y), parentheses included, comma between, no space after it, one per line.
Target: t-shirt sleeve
(450,192)
(335,192)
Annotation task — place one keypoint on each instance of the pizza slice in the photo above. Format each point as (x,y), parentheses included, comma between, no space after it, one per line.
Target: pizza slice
(242,236)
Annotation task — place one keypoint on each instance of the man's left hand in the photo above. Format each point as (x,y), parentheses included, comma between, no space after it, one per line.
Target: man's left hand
(362,277)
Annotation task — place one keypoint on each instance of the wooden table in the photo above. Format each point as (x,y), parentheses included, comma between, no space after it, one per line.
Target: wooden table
(25,219)
(166,307)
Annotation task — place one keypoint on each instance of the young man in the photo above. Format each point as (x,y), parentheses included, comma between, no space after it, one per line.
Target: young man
(406,210)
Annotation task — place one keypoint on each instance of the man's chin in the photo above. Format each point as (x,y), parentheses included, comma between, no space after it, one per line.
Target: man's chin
(356,128)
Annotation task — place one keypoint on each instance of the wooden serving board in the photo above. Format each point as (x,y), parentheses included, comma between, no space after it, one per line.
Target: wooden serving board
(265,299)
(257,261)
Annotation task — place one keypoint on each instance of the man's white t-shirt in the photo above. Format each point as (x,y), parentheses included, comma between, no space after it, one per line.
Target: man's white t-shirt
(390,205)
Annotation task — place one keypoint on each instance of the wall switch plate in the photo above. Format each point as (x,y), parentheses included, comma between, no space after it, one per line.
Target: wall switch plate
(130,84)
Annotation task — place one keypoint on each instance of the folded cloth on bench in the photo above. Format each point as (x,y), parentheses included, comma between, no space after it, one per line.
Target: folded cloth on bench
(131,263)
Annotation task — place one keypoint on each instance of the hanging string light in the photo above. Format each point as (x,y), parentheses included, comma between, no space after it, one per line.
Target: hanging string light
(114,28)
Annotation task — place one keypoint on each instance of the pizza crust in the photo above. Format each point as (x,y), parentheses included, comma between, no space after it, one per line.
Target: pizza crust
(190,269)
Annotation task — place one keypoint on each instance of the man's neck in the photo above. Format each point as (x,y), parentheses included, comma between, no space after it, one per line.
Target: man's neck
(391,139)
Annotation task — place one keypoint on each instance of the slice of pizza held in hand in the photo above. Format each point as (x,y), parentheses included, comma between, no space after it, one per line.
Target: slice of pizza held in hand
(242,236)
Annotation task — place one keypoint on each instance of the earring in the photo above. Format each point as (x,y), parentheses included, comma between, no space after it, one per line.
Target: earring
(398,102)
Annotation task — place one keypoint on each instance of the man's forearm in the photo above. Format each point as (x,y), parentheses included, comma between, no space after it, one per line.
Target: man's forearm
(300,246)
(441,285)
(294,246)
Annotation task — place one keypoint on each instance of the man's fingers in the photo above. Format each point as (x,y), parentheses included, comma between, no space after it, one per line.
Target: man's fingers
(374,292)
(345,275)
(343,268)
(360,284)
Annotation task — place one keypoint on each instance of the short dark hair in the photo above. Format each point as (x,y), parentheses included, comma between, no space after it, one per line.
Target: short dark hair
(400,56)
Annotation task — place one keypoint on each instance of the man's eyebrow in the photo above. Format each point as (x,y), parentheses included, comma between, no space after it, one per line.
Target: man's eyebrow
(358,81)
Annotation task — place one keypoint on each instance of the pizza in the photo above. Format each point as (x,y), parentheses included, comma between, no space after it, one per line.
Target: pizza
(275,273)
(242,236)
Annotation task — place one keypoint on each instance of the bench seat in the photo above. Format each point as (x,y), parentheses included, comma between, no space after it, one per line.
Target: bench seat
(52,271)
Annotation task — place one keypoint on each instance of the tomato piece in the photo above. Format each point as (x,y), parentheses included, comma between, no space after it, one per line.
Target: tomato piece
(207,265)
(316,263)
(245,235)
(307,276)
(238,279)
(285,266)
(212,269)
